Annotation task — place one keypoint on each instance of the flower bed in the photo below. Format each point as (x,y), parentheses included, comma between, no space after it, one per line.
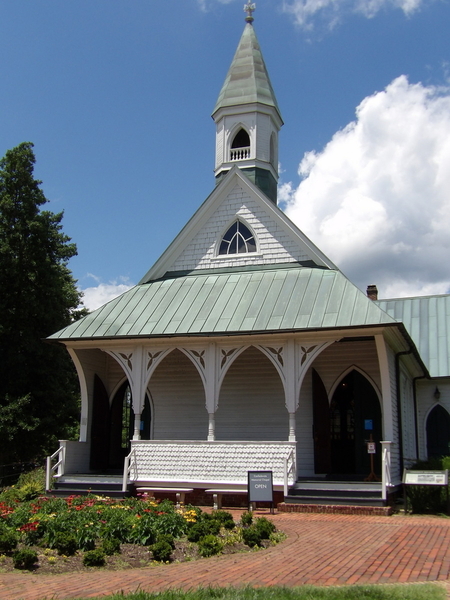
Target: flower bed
(50,534)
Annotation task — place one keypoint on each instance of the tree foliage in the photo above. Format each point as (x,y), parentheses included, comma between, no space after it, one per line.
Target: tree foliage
(38,296)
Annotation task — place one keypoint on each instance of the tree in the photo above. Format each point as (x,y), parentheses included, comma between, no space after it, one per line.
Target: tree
(38,296)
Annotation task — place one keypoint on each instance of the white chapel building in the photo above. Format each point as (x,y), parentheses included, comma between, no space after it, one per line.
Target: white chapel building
(244,348)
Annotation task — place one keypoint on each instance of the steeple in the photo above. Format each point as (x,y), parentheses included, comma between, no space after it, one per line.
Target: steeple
(247,116)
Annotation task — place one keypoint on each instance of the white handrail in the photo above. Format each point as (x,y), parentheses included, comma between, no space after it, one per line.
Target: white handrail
(386,478)
(60,464)
(289,469)
(129,464)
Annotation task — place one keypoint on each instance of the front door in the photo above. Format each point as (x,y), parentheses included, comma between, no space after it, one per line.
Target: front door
(355,419)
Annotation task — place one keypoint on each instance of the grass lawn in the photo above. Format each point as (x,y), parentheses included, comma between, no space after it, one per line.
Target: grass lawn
(427,591)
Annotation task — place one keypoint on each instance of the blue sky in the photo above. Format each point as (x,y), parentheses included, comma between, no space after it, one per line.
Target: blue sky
(117,95)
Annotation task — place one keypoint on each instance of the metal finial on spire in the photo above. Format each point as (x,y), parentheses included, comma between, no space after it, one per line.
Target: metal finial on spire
(249,8)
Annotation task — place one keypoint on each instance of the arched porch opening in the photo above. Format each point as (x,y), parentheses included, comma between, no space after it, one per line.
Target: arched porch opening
(113,425)
(251,401)
(179,404)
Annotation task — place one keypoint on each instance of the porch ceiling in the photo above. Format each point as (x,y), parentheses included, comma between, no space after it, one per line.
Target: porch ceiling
(268,300)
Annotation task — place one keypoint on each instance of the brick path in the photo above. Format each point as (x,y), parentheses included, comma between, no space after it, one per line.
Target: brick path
(319,550)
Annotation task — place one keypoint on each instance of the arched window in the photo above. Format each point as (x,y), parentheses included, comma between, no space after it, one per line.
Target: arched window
(240,146)
(438,432)
(237,240)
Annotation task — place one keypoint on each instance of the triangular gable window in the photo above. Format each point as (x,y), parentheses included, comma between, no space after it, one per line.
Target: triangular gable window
(238,240)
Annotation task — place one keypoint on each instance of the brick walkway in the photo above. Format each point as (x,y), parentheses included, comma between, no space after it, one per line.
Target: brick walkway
(319,550)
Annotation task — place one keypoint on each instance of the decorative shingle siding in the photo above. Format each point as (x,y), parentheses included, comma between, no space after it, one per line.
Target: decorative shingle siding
(208,463)
(275,245)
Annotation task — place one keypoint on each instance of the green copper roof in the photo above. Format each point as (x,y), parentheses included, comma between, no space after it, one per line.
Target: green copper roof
(277,299)
(427,320)
(247,80)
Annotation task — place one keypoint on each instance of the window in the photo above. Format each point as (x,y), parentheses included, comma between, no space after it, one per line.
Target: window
(240,147)
(237,240)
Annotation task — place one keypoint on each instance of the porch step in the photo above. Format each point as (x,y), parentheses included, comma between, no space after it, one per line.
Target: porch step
(343,493)
(84,484)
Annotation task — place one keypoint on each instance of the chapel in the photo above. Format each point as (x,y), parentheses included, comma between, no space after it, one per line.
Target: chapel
(244,348)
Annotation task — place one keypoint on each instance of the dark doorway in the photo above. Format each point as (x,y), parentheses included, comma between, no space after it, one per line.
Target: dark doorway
(100,427)
(355,419)
(438,432)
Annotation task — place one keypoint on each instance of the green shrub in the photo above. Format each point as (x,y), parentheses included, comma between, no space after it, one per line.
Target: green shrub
(224,517)
(65,543)
(8,540)
(251,536)
(166,537)
(264,527)
(203,528)
(24,559)
(111,546)
(162,551)
(246,519)
(94,558)
(209,545)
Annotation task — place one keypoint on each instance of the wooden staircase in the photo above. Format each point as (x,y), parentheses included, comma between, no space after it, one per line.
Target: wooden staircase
(344,493)
(83,484)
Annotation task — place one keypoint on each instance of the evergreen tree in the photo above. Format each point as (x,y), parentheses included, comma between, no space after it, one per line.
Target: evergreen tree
(38,296)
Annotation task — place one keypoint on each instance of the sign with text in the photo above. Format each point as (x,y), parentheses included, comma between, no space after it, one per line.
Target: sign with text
(371,448)
(260,486)
(425,477)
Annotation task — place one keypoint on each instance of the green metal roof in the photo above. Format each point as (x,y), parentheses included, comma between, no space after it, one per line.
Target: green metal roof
(427,320)
(202,303)
(247,80)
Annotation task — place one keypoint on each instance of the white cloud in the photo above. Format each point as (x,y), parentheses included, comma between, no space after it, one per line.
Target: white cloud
(205,5)
(377,198)
(100,294)
(331,11)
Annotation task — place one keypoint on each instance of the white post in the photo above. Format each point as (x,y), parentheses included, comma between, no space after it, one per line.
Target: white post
(125,473)
(211,427)
(47,474)
(292,427)
(137,426)
(385,468)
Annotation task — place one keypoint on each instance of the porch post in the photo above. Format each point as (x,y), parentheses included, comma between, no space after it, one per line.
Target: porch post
(292,427)
(137,426)
(210,390)
(211,427)
(291,388)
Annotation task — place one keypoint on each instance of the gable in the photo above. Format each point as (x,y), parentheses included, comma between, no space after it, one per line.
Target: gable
(274,245)
(278,240)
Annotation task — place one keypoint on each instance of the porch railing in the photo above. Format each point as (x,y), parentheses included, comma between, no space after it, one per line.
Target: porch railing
(386,476)
(290,469)
(130,465)
(239,154)
(60,457)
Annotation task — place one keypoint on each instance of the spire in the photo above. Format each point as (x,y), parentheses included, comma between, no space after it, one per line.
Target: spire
(247,116)
(247,80)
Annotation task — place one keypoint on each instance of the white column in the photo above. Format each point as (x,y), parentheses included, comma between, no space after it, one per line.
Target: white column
(211,427)
(292,437)
(290,375)
(211,389)
(137,426)
(383,361)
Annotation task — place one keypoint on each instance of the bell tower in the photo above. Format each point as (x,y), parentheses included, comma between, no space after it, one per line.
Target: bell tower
(247,116)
